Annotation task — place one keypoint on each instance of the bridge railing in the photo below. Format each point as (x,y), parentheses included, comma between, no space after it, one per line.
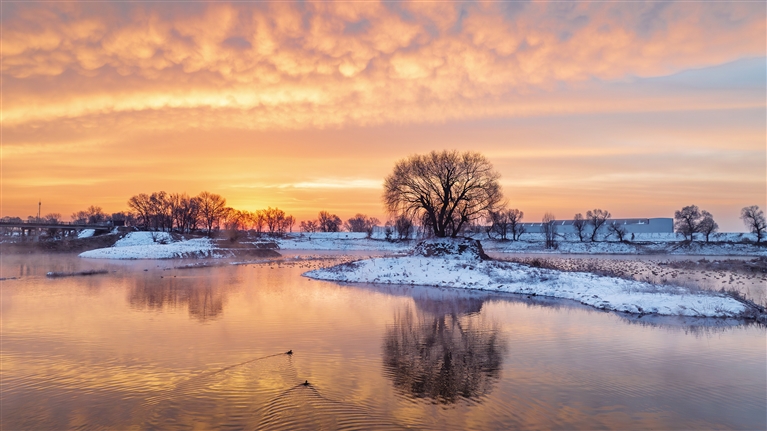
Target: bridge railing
(63,224)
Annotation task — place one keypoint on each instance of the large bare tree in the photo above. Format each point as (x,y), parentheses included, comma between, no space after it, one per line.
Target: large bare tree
(754,219)
(444,189)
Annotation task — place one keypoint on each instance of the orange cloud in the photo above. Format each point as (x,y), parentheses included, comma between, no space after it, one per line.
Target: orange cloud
(353,63)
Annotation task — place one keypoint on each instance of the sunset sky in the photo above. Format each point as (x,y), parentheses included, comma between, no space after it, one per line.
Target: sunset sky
(639,108)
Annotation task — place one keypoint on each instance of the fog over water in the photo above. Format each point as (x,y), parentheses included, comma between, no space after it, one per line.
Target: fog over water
(150,345)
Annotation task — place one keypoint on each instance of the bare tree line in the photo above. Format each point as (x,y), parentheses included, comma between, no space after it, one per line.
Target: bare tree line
(207,212)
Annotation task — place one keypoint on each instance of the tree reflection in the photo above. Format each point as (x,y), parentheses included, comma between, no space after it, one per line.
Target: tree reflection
(204,300)
(445,351)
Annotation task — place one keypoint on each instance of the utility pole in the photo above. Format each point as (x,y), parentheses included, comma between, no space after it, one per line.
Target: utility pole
(39,204)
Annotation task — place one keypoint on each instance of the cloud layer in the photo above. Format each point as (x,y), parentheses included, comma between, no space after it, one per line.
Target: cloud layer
(295,65)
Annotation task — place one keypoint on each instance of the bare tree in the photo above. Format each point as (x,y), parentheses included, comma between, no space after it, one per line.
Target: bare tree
(274,219)
(162,211)
(753,217)
(617,229)
(707,225)
(686,221)
(499,223)
(361,223)
(91,215)
(579,224)
(259,219)
(309,226)
(447,189)
(234,221)
(141,205)
(404,227)
(52,218)
(212,208)
(329,222)
(549,227)
(514,217)
(287,224)
(596,219)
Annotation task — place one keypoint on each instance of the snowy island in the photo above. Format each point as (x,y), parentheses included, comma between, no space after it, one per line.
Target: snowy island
(461,263)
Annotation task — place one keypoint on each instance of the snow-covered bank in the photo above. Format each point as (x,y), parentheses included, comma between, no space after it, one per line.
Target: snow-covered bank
(614,247)
(465,271)
(724,244)
(342,241)
(154,245)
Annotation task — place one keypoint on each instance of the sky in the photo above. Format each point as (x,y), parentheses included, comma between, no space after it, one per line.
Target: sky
(639,108)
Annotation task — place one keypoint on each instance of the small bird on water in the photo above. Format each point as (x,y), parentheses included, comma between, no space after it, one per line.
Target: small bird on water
(306,383)
(289,352)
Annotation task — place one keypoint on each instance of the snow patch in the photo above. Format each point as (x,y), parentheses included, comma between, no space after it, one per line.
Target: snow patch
(144,238)
(607,293)
(86,233)
(154,245)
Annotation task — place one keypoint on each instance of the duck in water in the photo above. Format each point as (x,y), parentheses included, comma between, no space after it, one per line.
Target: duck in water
(289,352)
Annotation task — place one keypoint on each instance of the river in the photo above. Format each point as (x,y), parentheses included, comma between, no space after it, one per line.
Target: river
(149,345)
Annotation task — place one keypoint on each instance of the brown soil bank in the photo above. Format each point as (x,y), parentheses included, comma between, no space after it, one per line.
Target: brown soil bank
(69,245)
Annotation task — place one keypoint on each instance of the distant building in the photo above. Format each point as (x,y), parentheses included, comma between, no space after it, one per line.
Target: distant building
(632,225)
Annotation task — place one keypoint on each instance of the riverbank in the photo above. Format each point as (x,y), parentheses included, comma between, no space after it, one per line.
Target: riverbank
(163,245)
(466,270)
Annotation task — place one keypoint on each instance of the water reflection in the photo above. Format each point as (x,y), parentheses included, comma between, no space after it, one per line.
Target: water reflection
(444,350)
(204,298)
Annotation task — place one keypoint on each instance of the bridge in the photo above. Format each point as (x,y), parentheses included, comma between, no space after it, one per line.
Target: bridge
(33,228)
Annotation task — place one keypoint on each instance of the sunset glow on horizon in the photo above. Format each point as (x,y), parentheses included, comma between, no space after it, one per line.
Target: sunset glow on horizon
(639,108)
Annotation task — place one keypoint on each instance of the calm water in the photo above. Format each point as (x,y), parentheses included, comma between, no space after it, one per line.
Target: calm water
(147,346)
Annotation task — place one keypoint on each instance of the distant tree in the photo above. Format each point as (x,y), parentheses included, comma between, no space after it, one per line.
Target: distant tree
(274,219)
(549,227)
(54,218)
(141,206)
(579,224)
(309,226)
(617,229)
(234,221)
(596,219)
(388,230)
(687,221)
(753,218)
(259,220)
(361,223)
(447,189)
(516,228)
(184,211)
(329,222)
(287,223)
(505,221)
(212,209)
(91,215)
(404,227)
(707,225)
(499,223)
(161,211)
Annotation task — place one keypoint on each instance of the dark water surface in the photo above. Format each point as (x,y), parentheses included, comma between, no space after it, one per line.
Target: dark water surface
(203,348)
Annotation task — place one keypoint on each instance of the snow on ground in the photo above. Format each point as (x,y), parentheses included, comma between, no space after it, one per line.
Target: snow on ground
(343,241)
(607,293)
(153,245)
(144,238)
(86,233)
(645,243)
